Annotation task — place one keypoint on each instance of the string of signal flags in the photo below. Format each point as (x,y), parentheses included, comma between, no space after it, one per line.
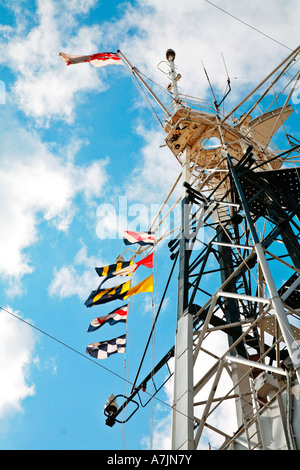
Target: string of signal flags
(104,349)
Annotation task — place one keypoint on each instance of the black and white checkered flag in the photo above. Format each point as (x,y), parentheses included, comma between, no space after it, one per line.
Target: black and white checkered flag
(104,349)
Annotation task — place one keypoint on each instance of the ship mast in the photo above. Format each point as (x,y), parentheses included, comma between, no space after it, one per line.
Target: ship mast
(215,178)
(234,183)
(182,424)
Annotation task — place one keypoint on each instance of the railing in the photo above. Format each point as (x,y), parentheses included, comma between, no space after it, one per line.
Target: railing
(190,102)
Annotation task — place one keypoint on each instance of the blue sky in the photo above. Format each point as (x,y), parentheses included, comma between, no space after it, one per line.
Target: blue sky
(77,138)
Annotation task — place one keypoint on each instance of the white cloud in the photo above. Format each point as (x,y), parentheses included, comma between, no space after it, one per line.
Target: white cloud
(135,205)
(160,438)
(17,346)
(154,177)
(200,32)
(78,6)
(36,184)
(90,180)
(45,87)
(77,278)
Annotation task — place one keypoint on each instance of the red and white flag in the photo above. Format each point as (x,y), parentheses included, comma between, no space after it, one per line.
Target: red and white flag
(142,238)
(97,60)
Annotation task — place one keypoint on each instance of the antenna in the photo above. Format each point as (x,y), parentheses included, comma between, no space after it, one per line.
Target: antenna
(228,81)
(210,85)
(217,105)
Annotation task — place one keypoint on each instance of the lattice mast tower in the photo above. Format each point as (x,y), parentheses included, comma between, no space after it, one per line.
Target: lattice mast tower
(239,263)
(246,193)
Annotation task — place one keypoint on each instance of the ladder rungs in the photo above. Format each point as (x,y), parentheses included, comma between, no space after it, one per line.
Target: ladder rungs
(247,402)
(259,443)
(256,432)
(249,414)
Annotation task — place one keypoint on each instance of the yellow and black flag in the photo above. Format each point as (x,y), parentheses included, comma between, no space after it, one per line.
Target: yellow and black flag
(123,268)
(120,292)
(101,296)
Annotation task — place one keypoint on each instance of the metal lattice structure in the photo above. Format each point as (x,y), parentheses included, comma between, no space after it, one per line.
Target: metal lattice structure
(247,192)
(238,251)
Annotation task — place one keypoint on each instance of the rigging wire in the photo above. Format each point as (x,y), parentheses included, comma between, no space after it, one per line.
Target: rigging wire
(166,92)
(126,366)
(154,322)
(153,304)
(146,99)
(247,24)
(62,343)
